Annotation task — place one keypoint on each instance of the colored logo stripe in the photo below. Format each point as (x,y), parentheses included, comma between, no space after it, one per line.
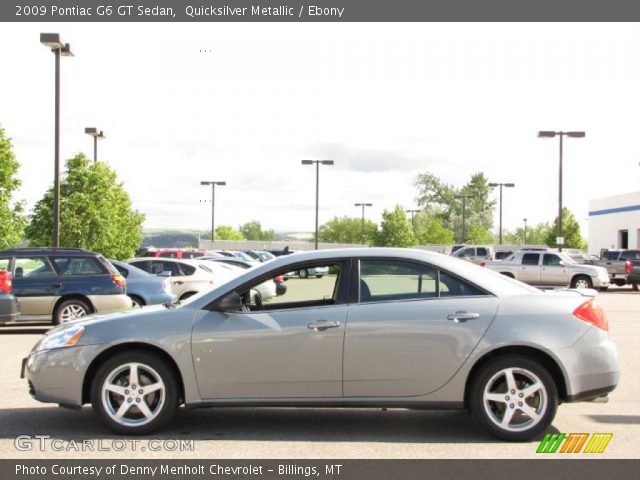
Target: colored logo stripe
(598,442)
(550,443)
(574,443)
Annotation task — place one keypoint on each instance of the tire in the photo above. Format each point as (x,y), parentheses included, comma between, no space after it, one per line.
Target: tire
(70,310)
(508,274)
(110,392)
(319,276)
(581,281)
(492,381)
(303,273)
(137,301)
(603,289)
(619,282)
(635,287)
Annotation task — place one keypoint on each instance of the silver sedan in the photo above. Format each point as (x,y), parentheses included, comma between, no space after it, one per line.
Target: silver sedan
(389,328)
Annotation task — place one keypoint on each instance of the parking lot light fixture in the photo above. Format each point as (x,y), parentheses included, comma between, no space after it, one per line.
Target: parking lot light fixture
(551,134)
(508,185)
(363,205)
(60,49)
(213,202)
(92,131)
(464,207)
(317,164)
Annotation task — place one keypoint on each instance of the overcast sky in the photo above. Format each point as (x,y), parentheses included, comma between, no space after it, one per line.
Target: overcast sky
(244,103)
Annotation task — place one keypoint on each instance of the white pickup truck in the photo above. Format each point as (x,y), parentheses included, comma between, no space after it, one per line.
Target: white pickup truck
(550,269)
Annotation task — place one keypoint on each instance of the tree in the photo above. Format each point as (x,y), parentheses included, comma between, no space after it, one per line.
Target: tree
(395,230)
(12,220)
(226,232)
(536,235)
(253,231)
(95,212)
(570,231)
(429,230)
(347,230)
(439,199)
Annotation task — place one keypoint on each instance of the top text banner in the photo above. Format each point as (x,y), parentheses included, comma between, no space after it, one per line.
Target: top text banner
(319,11)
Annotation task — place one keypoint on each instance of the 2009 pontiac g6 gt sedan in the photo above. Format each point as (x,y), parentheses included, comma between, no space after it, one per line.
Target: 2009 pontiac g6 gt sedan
(385,328)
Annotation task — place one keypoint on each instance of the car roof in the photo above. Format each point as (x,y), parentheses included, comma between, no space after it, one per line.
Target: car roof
(53,251)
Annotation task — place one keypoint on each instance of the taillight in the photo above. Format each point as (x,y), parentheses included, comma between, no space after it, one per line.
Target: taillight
(279,278)
(119,280)
(628,266)
(5,281)
(591,312)
(482,264)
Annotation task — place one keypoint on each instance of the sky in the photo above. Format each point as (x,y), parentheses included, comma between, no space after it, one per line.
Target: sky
(245,102)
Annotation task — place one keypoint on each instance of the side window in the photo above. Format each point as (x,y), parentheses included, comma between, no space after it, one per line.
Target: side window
(77,266)
(530,259)
(158,266)
(122,271)
(187,269)
(551,259)
(382,280)
(482,252)
(33,267)
(451,286)
(468,252)
(299,292)
(142,265)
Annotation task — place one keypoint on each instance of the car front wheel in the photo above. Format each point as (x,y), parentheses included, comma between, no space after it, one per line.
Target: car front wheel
(514,398)
(134,393)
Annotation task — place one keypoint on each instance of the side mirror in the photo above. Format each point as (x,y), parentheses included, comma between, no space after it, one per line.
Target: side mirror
(230,303)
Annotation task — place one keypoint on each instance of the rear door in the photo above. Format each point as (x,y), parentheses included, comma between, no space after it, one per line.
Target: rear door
(36,284)
(553,270)
(410,329)
(529,270)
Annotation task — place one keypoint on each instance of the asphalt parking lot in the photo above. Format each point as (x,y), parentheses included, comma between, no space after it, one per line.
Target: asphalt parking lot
(314,433)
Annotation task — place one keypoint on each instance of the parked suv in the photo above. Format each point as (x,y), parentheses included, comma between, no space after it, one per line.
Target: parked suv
(475,254)
(9,308)
(62,284)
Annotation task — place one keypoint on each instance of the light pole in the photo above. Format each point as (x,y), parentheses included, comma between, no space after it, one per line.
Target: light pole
(464,207)
(363,205)
(213,202)
(551,134)
(525,230)
(508,185)
(413,224)
(59,49)
(317,164)
(92,131)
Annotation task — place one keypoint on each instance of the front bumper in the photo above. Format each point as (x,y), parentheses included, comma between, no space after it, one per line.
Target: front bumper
(57,375)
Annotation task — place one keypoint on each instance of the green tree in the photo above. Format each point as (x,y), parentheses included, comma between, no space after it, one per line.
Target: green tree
(226,232)
(95,212)
(570,231)
(12,220)
(439,199)
(536,235)
(347,230)
(253,231)
(430,230)
(395,230)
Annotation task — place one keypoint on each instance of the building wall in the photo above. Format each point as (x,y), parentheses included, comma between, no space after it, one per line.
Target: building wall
(609,216)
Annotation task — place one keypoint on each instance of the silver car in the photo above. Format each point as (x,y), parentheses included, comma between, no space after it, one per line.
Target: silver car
(387,328)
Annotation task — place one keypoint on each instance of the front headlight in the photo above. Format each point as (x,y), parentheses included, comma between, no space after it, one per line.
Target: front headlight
(66,338)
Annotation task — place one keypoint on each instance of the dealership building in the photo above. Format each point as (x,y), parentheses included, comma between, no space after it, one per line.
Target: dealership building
(614,222)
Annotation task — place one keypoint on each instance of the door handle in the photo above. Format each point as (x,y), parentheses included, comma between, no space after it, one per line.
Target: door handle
(322,325)
(178,283)
(462,316)
(56,285)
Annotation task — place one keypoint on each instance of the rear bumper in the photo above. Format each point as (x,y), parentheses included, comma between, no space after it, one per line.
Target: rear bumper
(9,308)
(592,366)
(111,303)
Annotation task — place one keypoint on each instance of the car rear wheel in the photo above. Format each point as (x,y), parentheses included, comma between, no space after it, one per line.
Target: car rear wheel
(70,310)
(134,393)
(514,398)
(137,301)
(303,274)
(581,281)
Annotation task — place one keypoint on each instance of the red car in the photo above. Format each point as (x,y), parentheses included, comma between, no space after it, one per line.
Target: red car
(180,253)
(9,308)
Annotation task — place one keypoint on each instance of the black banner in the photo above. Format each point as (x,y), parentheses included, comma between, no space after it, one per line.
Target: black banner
(322,469)
(317,10)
